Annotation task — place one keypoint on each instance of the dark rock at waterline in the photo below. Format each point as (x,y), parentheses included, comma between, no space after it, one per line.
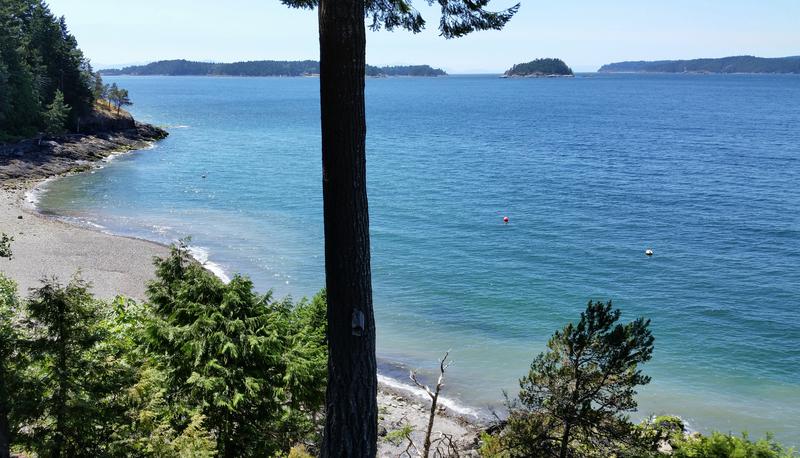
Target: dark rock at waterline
(37,159)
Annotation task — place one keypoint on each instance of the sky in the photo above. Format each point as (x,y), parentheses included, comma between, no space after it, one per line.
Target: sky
(584,33)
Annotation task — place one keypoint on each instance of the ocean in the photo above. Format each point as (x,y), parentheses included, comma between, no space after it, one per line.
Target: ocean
(591,171)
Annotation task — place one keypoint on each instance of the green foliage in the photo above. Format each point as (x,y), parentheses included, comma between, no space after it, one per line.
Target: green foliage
(492,447)
(5,246)
(719,445)
(573,399)
(12,364)
(99,90)
(118,96)
(56,115)
(254,367)
(654,431)
(299,451)
(64,326)
(400,435)
(540,67)
(204,369)
(458,17)
(38,56)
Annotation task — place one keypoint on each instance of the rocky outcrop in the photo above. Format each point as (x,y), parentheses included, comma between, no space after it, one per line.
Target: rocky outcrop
(42,158)
(106,119)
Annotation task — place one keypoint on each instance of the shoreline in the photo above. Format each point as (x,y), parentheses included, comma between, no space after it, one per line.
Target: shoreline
(45,246)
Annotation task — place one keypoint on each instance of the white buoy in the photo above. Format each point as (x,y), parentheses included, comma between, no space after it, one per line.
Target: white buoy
(648,252)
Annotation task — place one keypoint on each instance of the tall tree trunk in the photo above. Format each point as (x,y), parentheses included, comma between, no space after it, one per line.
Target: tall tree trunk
(60,398)
(5,433)
(5,428)
(565,441)
(352,410)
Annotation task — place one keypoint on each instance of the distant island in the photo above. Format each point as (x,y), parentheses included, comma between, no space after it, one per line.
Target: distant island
(181,67)
(540,68)
(733,64)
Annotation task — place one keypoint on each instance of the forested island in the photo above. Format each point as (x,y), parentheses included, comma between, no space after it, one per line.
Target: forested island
(540,68)
(733,64)
(181,67)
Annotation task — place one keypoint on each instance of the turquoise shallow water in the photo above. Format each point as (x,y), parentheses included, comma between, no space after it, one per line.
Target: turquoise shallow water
(590,171)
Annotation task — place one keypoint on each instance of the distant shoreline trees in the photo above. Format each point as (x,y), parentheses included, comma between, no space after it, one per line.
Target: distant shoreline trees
(733,64)
(181,67)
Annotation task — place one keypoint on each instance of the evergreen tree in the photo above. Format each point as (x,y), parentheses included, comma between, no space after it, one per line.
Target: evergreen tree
(38,56)
(66,328)
(5,94)
(245,362)
(12,364)
(573,401)
(352,411)
(100,90)
(56,115)
(118,96)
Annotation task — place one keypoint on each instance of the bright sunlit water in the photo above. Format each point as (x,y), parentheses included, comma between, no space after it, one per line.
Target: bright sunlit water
(591,171)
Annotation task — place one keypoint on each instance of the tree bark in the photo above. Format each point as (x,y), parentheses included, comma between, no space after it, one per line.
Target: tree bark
(351,405)
(5,433)
(565,441)
(60,397)
(5,428)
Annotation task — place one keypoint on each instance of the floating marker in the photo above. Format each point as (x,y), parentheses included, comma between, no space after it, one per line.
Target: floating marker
(648,252)
(505,219)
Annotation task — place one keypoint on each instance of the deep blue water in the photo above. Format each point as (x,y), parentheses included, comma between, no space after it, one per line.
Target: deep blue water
(591,171)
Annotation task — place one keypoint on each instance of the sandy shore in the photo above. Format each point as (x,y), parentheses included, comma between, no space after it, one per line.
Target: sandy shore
(45,247)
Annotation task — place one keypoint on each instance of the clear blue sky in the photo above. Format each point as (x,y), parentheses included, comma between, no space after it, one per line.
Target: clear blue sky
(585,33)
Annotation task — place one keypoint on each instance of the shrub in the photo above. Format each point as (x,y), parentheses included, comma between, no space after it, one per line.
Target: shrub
(719,445)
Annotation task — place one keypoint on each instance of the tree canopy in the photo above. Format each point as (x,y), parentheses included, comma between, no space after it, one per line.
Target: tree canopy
(38,58)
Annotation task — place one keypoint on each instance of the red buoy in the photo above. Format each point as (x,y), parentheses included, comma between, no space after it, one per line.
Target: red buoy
(505,219)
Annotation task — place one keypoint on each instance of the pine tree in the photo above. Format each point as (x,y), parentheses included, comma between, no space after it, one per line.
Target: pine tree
(118,96)
(576,394)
